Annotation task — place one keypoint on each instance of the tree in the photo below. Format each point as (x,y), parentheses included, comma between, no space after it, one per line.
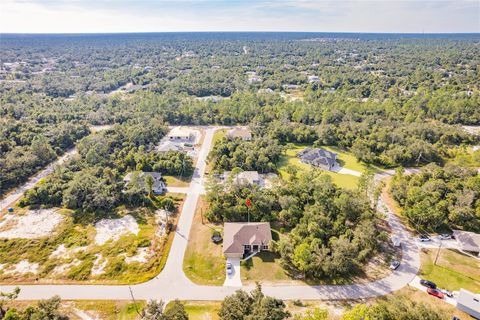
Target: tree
(176,311)
(149,182)
(253,306)
(154,311)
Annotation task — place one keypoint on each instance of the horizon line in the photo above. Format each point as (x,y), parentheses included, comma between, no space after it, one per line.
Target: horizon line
(256,31)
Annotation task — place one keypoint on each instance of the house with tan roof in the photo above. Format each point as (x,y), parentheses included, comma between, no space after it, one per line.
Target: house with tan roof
(242,133)
(240,238)
(244,177)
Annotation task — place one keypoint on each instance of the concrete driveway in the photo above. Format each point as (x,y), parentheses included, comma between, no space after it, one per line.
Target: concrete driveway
(233,279)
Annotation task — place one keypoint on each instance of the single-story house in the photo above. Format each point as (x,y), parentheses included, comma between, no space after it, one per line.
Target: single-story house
(181,134)
(318,157)
(467,241)
(242,133)
(312,79)
(241,238)
(469,303)
(244,177)
(158,187)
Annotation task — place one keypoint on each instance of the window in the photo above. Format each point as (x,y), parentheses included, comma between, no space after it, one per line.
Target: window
(264,247)
(247,247)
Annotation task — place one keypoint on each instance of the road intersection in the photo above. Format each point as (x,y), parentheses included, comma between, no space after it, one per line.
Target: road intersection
(172,283)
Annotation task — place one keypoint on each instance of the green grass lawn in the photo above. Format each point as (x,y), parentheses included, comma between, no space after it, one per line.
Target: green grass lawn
(176,181)
(200,310)
(204,262)
(452,271)
(218,135)
(345,159)
(111,310)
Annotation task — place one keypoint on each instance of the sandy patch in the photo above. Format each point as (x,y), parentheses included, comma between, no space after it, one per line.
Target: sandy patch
(161,218)
(113,229)
(23,267)
(142,256)
(86,315)
(63,252)
(34,224)
(99,265)
(62,268)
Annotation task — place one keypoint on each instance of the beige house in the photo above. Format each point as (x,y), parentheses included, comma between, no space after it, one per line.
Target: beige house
(241,238)
(244,177)
(181,134)
(242,133)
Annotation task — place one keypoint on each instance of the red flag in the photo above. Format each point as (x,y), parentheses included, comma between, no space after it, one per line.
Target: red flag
(248,202)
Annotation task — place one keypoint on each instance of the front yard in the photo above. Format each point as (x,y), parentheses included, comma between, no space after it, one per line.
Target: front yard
(345,160)
(452,271)
(204,262)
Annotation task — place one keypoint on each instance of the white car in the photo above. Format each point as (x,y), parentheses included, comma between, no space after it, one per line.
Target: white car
(445,236)
(394,265)
(229,268)
(424,238)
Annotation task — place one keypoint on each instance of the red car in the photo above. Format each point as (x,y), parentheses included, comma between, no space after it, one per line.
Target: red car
(435,293)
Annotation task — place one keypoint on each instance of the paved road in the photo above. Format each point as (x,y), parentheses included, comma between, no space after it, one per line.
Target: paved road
(172,283)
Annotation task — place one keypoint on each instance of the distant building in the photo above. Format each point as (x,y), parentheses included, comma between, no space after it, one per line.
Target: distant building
(312,79)
(244,177)
(469,303)
(318,157)
(467,241)
(181,134)
(254,79)
(243,133)
(244,238)
(158,187)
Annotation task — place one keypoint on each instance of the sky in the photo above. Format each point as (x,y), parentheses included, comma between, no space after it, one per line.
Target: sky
(90,16)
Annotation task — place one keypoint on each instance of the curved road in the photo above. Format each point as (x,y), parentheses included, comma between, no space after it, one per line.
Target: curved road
(172,283)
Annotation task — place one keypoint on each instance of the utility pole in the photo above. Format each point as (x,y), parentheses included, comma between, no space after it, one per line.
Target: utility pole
(134,302)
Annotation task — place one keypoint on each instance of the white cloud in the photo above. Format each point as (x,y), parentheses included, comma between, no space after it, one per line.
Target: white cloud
(57,16)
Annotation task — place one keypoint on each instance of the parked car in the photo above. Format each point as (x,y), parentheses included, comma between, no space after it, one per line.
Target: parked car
(424,238)
(445,236)
(394,265)
(447,293)
(435,292)
(428,284)
(229,268)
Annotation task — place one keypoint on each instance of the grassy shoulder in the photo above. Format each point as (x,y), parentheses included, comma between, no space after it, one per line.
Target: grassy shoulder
(453,270)
(204,262)
(345,159)
(71,254)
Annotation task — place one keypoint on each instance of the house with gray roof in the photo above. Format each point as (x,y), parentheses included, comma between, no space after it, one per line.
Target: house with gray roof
(318,157)
(241,238)
(244,177)
(139,177)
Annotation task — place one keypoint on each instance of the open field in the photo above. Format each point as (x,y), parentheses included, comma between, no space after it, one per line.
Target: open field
(204,262)
(176,181)
(345,159)
(128,247)
(452,271)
